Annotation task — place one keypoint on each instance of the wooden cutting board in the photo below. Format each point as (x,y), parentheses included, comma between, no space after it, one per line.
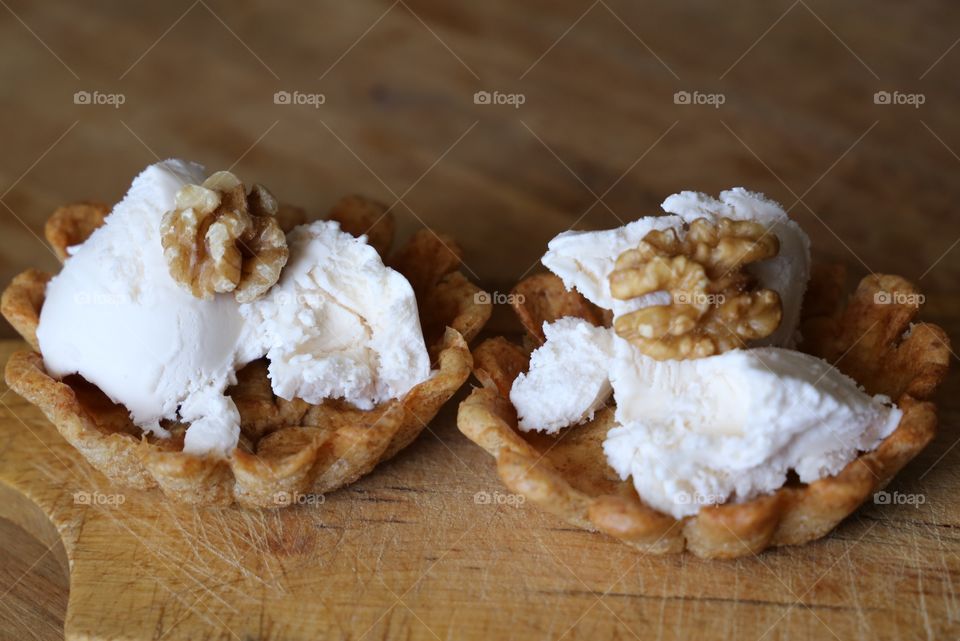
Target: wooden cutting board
(429,547)
(408,552)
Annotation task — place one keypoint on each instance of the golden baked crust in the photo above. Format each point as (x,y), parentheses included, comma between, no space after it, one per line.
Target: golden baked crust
(21,301)
(286,447)
(568,474)
(544,297)
(72,224)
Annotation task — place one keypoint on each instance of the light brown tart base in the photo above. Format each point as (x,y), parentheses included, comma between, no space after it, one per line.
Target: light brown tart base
(286,447)
(568,475)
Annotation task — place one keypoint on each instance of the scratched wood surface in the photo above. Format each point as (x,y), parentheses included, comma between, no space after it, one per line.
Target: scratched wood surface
(598,140)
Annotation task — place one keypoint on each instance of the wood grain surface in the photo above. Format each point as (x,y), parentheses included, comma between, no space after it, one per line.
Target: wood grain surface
(598,140)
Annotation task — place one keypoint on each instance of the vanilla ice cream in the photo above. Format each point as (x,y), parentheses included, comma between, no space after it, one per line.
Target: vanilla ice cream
(729,427)
(114,315)
(584,260)
(568,378)
(338,324)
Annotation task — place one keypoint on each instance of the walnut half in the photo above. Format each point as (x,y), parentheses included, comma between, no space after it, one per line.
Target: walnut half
(715,305)
(219,238)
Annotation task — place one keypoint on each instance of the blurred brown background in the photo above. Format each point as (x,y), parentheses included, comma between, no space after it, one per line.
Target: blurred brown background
(798,117)
(602,136)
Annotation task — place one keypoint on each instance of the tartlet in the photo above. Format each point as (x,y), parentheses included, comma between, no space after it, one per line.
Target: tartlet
(567,474)
(286,448)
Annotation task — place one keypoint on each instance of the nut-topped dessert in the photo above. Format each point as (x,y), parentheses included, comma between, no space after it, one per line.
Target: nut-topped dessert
(204,338)
(687,390)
